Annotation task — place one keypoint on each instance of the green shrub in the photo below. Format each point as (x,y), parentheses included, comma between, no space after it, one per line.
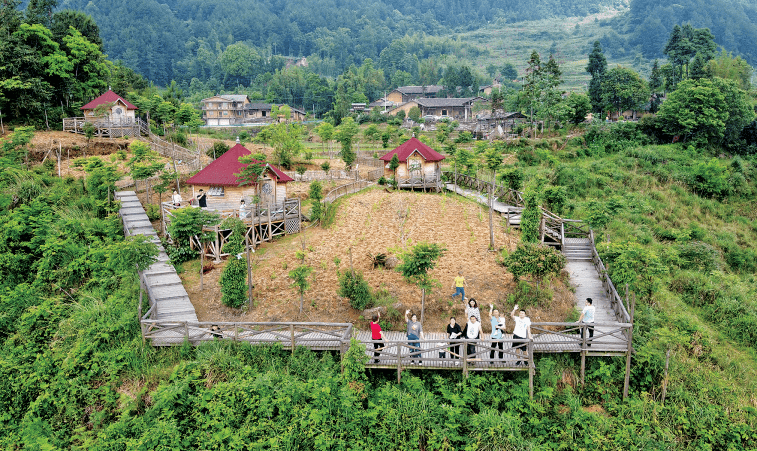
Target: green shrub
(233,279)
(153,212)
(219,148)
(698,255)
(537,260)
(356,289)
(710,179)
(741,259)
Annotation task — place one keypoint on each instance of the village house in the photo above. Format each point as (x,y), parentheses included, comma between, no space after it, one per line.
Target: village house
(383,104)
(487,90)
(220,182)
(420,166)
(407,93)
(259,112)
(224,109)
(453,108)
(110,107)
(499,121)
(232,109)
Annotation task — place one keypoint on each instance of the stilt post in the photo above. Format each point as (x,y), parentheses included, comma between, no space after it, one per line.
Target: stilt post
(630,349)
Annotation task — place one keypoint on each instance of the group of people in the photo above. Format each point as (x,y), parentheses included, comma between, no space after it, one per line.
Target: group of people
(202,199)
(472,330)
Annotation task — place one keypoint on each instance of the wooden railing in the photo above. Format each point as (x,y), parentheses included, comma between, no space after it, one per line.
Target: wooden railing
(347,189)
(571,337)
(316,336)
(308,176)
(402,354)
(370,161)
(621,311)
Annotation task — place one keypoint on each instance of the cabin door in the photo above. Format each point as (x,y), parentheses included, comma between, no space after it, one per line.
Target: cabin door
(267,192)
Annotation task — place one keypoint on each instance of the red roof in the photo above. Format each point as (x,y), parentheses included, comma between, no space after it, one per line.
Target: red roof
(108,97)
(413,145)
(221,172)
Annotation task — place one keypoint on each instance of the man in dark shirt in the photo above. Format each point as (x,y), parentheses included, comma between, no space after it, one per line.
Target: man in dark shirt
(202,199)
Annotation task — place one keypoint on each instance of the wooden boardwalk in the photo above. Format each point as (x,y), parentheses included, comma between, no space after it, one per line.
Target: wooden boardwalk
(169,300)
(587,272)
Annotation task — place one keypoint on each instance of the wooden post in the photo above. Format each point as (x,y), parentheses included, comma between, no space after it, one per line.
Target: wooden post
(542,226)
(464,346)
(630,348)
(217,249)
(270,230)
(139,316)
(202,264)
(399,362)
(178,188)
(291,333)
(665,377)
(299,216)
(507,215)
(249,270)
(582,328)
(531,368)
(491,216)
(60,151)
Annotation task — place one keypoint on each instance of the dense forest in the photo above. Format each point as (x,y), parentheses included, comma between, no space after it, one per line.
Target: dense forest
(185,39)
(645,27)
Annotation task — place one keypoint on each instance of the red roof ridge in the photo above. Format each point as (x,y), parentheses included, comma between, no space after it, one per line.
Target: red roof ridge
(108,97)
(411,146)
(222,171)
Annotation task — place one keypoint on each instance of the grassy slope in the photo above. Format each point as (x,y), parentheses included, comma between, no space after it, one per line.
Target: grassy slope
(710,359)
(573,36)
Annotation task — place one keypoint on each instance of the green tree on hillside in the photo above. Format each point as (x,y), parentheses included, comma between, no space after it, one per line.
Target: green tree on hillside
(416,263)
(597,68)
(534,84)
(706,111)
(325,131)
(623,89)
(345,133)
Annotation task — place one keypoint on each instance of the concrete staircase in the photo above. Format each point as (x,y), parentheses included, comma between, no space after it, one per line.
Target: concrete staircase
(577,249)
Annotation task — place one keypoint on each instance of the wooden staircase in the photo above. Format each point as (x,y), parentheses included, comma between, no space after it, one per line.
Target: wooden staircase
(578,249)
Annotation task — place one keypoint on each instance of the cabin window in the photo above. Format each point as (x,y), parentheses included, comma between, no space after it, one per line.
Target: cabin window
(118,111)
(215,191)
(262,113)
(444,112)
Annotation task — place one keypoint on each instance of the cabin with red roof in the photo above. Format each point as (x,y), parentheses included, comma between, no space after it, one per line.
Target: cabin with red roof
(111,115)
(224,190)
(420,165)
(110,107)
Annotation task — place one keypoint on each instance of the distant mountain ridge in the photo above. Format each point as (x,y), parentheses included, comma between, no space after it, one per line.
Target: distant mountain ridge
(154,37)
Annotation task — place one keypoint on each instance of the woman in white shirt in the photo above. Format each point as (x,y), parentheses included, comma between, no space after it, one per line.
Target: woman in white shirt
(522,331)
(472,332)
(176,198)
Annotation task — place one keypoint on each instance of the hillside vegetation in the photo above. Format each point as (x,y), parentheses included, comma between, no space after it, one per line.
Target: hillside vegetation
(76,375)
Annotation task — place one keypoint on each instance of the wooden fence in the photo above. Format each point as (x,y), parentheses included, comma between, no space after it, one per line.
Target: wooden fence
(347,189)
(621,310)
(316,336)
(309,176)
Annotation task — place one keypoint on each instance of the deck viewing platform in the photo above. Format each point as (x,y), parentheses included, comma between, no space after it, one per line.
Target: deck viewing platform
(613,330)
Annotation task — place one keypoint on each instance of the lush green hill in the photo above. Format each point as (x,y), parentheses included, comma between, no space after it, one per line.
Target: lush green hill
(74,373)
(163,41)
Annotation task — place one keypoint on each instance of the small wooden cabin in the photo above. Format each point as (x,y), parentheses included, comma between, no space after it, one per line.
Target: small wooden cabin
(113,108)
(218,179)
(420,165)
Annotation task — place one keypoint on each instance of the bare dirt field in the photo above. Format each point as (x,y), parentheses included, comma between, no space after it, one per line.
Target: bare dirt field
(373,222)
